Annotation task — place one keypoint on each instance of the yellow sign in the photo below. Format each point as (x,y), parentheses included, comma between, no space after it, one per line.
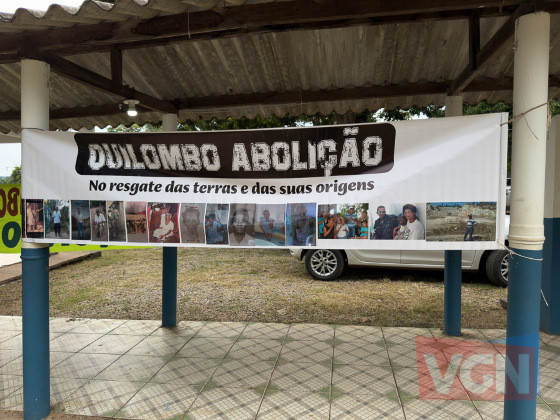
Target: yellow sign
(10,225)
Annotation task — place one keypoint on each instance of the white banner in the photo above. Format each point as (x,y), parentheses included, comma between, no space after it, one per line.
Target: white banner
(422,184)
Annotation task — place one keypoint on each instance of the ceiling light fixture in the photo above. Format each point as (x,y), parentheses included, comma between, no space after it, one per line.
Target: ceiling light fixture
(131,111)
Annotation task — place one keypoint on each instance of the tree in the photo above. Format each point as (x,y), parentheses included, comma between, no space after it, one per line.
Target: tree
(15,176)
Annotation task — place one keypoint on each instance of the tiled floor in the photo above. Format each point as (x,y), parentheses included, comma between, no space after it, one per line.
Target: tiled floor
(221,370)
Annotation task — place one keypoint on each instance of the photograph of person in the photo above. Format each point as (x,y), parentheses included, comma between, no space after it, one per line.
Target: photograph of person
(242,225)
(363,232)
(461,221)
(215,224)
(398,232)
(135,212)
(97,214)
(351,219)
(342,231)
(270,228)
(363,225)
(80,220)
(35,227)
(192,228)
(329,226)
(301,224)
(57,219)
(414,227)
(163,225)
(384,224)
(469,229)
(115,221)
(323,211)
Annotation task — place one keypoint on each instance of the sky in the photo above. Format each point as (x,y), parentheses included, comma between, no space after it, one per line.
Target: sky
(10,156)
(10,6)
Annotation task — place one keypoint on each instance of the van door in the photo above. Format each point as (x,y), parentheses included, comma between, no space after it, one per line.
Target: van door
(374,256)
(434,259)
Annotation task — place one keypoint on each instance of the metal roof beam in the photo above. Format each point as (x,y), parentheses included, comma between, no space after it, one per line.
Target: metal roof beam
(87,77)
(495,45)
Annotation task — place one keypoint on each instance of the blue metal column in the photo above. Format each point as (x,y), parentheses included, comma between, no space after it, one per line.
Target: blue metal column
(550,299)
(169,278)
(524,285)
(35,259)
(169,288)
(452,274)
(35,308)
(452,293)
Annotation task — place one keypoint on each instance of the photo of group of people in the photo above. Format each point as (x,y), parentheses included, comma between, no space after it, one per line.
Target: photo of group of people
(399,221)
(343,221)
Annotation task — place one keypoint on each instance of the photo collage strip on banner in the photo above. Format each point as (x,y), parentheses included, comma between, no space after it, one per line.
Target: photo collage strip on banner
(249,224)
(425,184)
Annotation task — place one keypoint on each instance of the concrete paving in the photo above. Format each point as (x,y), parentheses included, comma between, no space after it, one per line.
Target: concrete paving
(10,264)
(230,370)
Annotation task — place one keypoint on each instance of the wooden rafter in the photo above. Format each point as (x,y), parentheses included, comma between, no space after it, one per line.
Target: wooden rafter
(501,39)
(116,65)
(275,98)
(474,38)
(85,76)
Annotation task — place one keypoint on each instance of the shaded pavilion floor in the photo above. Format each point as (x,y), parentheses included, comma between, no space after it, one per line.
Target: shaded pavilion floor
(228,370)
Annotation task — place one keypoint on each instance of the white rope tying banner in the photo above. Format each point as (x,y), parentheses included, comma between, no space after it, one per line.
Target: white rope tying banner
(529,110)
(522,256)
(542,294)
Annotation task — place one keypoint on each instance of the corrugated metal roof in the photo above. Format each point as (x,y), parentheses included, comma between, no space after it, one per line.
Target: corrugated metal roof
(289,61)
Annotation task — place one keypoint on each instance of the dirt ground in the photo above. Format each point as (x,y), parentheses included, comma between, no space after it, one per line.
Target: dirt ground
(257,285)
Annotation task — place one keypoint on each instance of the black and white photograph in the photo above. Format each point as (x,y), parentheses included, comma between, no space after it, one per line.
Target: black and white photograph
(192,223)
(115,221)
(242,224)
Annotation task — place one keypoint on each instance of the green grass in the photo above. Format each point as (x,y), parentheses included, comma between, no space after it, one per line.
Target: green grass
(262,285)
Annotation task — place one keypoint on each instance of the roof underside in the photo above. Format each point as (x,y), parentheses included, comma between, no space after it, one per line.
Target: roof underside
(236,67)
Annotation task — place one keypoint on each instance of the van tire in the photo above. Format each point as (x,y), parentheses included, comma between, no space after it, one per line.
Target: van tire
(324,264)
(497,267)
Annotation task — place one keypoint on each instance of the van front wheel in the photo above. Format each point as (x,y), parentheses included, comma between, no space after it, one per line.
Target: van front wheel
(324,264)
